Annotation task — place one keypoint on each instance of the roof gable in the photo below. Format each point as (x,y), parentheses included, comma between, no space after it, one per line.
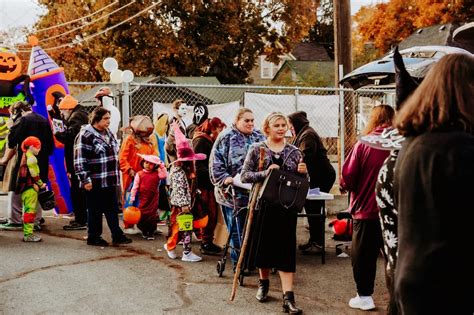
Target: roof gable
(310,52)
(316,73)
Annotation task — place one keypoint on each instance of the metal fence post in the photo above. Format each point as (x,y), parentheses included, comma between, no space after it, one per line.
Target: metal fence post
(297,93)
(341,116)
(125,103)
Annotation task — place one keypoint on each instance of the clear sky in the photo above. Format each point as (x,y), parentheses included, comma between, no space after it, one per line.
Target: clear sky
(26,12)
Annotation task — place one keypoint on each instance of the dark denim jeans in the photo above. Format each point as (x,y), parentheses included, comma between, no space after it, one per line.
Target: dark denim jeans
(102,201)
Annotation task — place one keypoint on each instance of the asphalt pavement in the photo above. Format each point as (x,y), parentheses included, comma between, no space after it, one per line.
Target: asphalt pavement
(62,274)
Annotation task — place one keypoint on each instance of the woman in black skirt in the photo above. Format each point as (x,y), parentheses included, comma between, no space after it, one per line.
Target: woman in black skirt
(274,239)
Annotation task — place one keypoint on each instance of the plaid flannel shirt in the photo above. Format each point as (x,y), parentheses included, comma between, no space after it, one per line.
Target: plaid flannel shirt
(95,158)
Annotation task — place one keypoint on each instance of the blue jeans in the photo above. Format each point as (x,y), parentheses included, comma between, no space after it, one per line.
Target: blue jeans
(235,226)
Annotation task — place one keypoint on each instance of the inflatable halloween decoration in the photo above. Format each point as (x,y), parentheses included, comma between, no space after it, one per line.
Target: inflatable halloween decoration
(49,83)
(14,86)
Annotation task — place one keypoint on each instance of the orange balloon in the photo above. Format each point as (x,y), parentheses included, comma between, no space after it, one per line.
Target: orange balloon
(131,215)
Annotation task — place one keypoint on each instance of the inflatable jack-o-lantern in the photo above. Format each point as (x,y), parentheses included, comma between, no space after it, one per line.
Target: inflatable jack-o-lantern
(11,89)
(10,66)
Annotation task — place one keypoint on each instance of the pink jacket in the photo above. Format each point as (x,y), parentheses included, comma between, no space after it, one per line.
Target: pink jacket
(359,175)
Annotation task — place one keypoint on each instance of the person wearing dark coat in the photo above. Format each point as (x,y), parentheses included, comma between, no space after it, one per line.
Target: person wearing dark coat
(26,124)
(433,192)
(75,116)
(320,170)
(204,137)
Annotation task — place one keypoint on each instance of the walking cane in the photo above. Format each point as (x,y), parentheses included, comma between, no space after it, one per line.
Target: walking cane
(253,202)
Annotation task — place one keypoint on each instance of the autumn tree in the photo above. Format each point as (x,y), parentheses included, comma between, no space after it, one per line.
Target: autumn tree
(322,32)
(186,38)
(380,27)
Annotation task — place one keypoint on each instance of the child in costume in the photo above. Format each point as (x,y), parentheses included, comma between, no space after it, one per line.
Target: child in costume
(182,177)
(28,185)
(139,141)
(146,183)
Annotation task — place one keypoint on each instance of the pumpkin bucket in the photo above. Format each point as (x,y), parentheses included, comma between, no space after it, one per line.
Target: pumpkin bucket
(185,222)
(131,215)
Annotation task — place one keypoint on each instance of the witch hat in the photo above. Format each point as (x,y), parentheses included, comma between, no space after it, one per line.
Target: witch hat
(404,83)
(183,149)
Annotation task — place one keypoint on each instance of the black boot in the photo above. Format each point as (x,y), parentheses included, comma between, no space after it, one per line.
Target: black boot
(289,305)
(262,293)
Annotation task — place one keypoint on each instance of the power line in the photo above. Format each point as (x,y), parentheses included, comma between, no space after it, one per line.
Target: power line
(78,19)
(87,24)
(70,45)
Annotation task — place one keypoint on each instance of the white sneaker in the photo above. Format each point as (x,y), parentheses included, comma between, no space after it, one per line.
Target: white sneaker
(171,253)
(32,238)
(132,230)
(364,303)
(192,257)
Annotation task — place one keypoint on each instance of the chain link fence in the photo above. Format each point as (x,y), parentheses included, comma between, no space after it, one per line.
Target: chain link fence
(338,115)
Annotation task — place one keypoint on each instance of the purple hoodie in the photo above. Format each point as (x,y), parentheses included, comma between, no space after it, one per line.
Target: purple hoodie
(359,175)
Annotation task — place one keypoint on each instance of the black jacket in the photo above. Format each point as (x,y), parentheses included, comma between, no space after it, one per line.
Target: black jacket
(320,170)
(203,144)
(433,186)
(32,124)
(78,118)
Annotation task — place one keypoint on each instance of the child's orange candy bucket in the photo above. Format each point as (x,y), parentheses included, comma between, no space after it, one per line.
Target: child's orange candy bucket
(131,215)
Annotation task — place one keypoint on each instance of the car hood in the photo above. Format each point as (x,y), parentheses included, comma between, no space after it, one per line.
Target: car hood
(381,73)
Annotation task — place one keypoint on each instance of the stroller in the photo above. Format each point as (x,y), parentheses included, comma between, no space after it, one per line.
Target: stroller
(240,233)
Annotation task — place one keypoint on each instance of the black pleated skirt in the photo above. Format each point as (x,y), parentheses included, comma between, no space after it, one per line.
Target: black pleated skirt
(274,237)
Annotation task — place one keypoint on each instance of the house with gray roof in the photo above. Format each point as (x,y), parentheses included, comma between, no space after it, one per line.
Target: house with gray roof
(438,35)
(264,71)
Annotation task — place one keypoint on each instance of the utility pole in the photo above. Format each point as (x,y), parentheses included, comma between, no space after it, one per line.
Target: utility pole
(342,37)
(343,59)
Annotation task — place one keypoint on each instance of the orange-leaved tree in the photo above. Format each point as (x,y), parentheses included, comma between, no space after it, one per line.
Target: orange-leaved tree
(380,27)
(187,38)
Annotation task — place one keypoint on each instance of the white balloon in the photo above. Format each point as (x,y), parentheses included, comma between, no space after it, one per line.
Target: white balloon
(110,64)
(116,76)
(127,76)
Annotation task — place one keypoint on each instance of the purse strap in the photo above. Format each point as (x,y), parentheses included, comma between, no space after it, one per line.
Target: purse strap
(261,159)
(286,158)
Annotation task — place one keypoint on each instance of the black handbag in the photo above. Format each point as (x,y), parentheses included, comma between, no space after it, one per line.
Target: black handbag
(286,189)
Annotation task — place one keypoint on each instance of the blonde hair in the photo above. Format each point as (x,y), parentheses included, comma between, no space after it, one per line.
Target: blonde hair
(162,124)
(271,118)
(380,116)
(177,103)
(241,112)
